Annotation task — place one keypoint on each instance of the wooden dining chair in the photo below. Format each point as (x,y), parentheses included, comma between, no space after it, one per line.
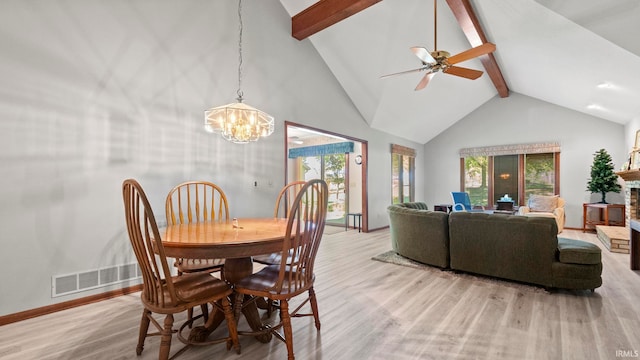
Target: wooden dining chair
(284,202)
(286,198)
(163,293)
(194,202)
(294,275)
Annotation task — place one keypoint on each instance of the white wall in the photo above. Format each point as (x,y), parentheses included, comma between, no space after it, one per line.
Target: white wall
(519,119)
(97,91)
(630,132)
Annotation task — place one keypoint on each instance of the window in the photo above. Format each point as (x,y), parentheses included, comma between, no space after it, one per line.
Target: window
(476,170)
(403,174)
(517,170)
(505,177)
(540,174)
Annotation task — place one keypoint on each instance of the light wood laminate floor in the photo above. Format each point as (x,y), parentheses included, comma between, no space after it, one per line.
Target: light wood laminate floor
(374,310)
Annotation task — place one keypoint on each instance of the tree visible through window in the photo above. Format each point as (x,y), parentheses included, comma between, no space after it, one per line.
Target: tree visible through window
(540,173)
(476,170)
(488,173)
(330,168)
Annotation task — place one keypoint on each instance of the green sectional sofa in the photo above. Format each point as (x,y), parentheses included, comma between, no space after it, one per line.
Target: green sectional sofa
(519,248)
(420,234)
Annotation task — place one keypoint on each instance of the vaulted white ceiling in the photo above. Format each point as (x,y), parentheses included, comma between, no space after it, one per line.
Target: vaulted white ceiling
(579,54)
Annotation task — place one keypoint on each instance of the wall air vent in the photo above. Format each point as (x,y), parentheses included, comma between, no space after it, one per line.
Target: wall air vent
(92,279)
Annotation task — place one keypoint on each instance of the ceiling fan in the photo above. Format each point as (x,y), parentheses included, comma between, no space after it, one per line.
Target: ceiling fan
(440,60)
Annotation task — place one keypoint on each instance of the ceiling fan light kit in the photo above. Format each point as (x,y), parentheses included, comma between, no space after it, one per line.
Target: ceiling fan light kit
(442,61)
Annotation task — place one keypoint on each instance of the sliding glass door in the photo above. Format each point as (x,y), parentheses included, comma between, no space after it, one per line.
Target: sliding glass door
(339,160)
(332,169)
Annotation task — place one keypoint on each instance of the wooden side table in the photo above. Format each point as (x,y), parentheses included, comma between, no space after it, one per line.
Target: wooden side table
(603,215)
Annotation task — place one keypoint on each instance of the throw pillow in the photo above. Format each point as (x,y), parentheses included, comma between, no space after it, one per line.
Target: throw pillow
(543,203)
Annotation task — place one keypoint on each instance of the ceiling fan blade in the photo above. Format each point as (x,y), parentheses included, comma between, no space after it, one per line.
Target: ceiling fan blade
(472,53)
(404,72)
(425,80)
(423,54)
(463,72)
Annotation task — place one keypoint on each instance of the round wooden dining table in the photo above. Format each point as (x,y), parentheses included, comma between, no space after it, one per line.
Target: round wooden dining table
(236,241)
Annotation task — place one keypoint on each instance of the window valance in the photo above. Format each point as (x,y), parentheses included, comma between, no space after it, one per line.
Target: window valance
(402,150)
(537,148)
(319,150)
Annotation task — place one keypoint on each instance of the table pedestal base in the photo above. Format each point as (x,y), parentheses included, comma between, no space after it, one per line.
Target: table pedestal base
(234,271)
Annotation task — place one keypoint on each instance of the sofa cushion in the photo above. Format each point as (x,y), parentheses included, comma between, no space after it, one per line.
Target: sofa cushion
(578,252)
(511,247)
(414,205)
(542,203)
(576,276)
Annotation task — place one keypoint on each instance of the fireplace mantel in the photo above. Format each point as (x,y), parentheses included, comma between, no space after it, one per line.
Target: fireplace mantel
(629,175)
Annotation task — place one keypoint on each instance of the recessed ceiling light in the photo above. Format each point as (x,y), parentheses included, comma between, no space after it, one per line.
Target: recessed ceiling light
(295,140)
(605,85)
(595,107)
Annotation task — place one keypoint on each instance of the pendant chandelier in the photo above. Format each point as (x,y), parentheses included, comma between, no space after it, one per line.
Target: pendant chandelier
(239,122)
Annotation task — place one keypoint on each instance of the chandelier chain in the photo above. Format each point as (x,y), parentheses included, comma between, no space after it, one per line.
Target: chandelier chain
(239,92)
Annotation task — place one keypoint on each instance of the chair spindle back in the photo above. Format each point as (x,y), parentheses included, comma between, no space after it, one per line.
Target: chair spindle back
(287,197)
(147,245)
(196,201)
(305,227)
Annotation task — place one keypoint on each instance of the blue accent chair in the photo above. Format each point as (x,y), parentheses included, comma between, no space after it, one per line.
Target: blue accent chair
(462,202)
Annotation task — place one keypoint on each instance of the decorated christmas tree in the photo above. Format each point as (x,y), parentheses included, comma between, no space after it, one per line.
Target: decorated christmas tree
(603,178)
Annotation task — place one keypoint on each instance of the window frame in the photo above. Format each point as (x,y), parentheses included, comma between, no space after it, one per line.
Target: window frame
(521,174)
(403,153)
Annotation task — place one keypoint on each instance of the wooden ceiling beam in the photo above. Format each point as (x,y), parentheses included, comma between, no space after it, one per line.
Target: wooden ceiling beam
(323,14)
(464,13)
